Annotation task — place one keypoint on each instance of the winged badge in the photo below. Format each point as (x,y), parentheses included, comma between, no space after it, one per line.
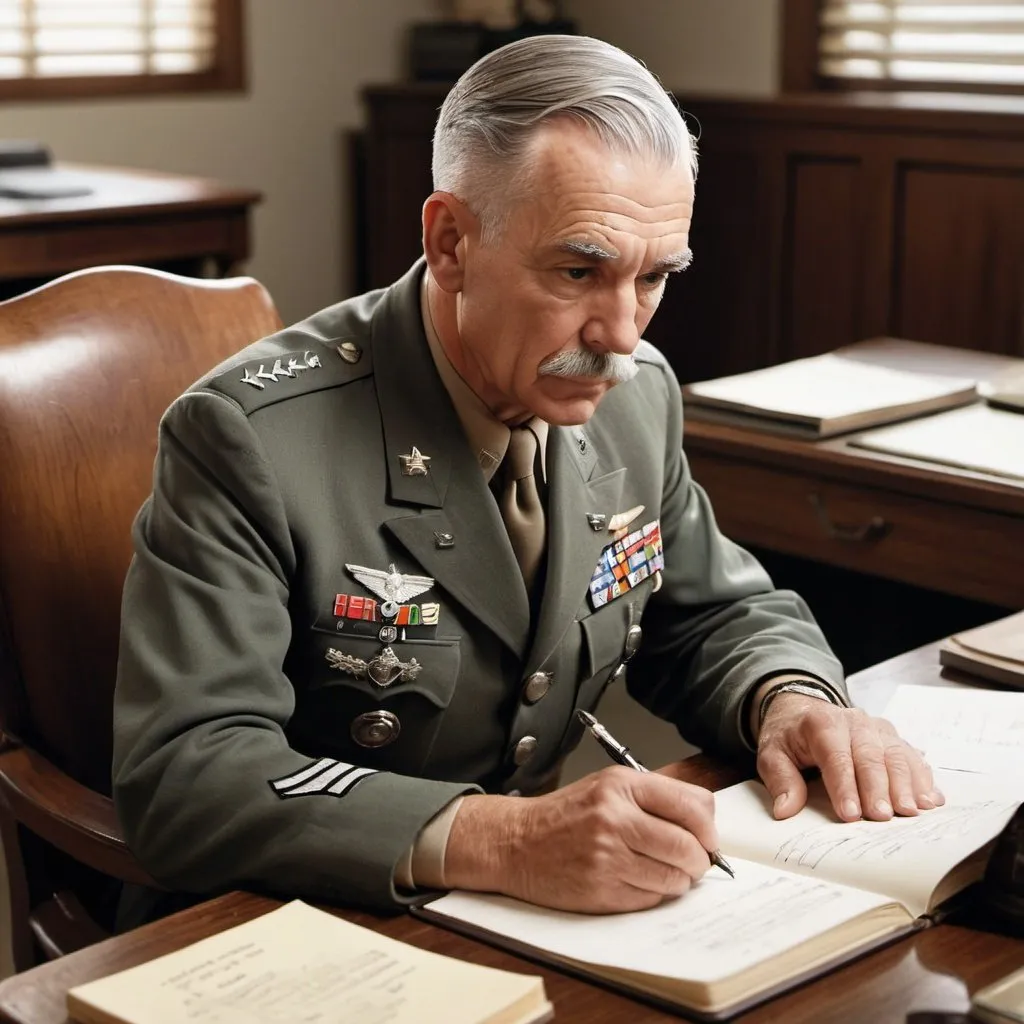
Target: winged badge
(392,587)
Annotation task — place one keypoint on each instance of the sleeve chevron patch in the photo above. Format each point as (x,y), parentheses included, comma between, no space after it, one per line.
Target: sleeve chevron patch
(325,777)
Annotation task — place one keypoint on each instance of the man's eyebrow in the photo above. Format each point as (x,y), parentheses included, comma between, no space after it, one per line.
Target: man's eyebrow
(588,250)
(674,263)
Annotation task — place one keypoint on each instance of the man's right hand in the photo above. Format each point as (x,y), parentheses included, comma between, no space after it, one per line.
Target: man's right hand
(614,841)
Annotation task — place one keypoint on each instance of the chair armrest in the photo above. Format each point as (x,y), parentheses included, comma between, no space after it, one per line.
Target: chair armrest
(70,816)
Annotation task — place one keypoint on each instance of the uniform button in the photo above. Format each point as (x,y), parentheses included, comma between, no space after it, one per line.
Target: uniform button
(376,729)
(633,637)
(525,749)
(536,687)
(619,672)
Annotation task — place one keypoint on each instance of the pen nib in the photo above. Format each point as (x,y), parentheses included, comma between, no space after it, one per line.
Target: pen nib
(586,718)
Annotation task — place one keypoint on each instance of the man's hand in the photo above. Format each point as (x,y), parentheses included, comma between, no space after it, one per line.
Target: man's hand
(867,769)
(616,840)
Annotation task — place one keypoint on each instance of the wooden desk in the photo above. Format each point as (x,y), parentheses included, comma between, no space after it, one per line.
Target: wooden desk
(946,529)
(137,217)
(932,971)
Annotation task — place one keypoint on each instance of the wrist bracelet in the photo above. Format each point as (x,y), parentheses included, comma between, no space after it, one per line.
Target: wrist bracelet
(807,687)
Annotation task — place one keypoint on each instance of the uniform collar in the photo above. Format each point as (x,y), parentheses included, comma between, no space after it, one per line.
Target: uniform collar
(488,436)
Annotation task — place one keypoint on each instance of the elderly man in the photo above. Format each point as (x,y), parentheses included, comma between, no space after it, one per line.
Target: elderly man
(393,549)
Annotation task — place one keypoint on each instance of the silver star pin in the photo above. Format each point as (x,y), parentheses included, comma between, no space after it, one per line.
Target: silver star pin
(415,463)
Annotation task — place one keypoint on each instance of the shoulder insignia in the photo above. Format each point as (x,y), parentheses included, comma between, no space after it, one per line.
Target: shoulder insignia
(308,361)
(277,369)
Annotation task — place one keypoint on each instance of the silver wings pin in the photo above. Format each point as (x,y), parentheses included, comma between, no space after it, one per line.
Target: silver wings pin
(392,587)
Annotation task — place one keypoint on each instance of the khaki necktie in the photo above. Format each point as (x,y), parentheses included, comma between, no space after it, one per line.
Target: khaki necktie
(520,505)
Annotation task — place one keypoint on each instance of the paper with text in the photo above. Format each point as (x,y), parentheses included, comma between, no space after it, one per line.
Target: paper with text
(903,858)
(971,730)
(301,964)
(719,928)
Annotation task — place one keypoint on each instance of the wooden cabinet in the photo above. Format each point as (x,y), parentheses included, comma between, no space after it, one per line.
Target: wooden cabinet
(820,220)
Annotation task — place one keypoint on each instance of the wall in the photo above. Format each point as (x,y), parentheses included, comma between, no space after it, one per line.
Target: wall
(308,60)
(720,46)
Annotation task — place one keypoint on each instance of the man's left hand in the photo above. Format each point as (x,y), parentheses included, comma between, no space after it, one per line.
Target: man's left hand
(867,769)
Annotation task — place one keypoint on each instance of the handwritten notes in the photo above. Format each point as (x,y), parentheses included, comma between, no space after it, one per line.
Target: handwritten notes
(905,858)
(299,964)
(721,927)
(970,730)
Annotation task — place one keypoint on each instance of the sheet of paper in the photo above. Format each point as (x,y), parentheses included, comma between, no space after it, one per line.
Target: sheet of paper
(720,927)
(826,387)
(300,964)
(904,858)
(976,437)
(971,730)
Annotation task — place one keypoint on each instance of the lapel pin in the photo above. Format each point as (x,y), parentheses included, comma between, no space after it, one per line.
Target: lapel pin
(415,463)
(443,540)
(597,521)
(350,351)
(621,520)
(392,587)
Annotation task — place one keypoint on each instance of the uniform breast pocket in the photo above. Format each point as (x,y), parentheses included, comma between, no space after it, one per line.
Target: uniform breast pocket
(375,705)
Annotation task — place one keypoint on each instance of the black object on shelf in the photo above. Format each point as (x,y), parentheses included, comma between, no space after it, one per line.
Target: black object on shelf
(440,51)
(23,153)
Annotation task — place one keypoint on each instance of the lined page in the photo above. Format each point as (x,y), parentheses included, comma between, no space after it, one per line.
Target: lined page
(722,926)
(970,730)
(903,858)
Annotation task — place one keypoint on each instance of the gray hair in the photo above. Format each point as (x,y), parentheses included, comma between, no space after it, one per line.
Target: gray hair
(495,109)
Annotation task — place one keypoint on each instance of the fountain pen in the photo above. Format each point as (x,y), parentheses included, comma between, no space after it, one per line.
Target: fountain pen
(620,754)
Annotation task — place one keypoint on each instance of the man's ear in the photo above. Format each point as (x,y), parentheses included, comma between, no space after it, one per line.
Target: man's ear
(447,223)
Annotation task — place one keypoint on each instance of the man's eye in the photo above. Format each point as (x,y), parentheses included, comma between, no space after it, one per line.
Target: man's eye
(653,280)
(578,273)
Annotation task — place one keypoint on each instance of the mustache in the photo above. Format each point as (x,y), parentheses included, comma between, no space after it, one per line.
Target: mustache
(577,363)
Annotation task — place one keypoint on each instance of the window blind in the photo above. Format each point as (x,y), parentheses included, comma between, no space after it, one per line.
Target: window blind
(940,41)
(72,38)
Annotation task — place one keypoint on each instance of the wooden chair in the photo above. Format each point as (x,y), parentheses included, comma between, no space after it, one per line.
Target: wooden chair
(88,364)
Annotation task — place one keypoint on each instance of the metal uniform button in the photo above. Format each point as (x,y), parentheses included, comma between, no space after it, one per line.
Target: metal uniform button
(536,687)
(525,749)
(620,671)
(376,729)
(633,637)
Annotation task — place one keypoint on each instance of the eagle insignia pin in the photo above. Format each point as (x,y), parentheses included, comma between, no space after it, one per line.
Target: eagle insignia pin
(392,587)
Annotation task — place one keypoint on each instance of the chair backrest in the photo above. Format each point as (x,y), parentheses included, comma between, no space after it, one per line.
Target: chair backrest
(88,364)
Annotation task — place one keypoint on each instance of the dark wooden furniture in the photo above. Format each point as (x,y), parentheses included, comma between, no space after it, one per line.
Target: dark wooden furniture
(945,529)
(88,364)
(820,220)
(171,222)
(934,971)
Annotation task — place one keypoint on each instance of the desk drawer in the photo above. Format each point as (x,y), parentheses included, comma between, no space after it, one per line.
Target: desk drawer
(951,548)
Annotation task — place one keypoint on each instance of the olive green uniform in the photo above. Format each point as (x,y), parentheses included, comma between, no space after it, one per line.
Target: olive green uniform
(245,756)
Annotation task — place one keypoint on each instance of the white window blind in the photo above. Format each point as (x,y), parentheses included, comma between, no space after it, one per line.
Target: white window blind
(965,42)
(72,38)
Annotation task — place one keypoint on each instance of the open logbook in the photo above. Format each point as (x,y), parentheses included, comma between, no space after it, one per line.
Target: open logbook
(809,894)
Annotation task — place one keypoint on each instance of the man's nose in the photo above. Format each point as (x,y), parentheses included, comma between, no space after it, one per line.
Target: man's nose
(612,325)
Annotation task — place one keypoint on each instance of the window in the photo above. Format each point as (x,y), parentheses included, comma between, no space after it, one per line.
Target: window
(51,48)
(975,45)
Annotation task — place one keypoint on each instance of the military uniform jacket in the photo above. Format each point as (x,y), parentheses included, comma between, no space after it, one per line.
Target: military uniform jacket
(244,756)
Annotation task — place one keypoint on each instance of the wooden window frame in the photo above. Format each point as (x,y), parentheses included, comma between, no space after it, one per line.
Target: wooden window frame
(228,73)
(800,62)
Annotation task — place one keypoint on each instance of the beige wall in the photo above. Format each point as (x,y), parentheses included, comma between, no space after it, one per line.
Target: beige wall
(722,46)
(308,60)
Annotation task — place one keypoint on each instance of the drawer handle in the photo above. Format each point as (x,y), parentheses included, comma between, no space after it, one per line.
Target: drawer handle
(875,529)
